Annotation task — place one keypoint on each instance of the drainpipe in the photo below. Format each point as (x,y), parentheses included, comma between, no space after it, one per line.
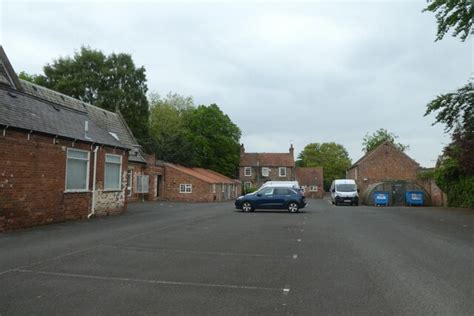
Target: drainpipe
(94,176)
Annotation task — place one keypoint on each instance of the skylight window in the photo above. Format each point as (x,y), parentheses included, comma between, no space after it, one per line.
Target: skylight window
(114,135)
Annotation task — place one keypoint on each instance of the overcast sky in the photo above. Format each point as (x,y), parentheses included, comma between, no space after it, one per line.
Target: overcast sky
(284,71)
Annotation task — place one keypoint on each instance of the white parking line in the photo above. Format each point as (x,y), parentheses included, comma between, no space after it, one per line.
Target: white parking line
(216,253)
(295,256)
(162,282)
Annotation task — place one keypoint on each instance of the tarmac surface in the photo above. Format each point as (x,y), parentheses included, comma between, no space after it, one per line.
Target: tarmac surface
(191,259)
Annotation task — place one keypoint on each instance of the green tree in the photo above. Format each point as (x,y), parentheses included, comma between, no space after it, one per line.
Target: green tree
(111,82)
(456,109)
(380,136)
(167,129)
(331,156)
(452,14)
(215,139)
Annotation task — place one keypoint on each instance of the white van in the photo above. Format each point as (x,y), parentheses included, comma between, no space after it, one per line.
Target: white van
(344,191)
(286,184)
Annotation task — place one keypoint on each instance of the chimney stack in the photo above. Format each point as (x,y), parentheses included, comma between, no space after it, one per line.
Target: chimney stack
(242,149)
(292,150)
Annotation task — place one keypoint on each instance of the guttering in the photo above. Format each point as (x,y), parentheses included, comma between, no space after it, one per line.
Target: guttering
(94,176)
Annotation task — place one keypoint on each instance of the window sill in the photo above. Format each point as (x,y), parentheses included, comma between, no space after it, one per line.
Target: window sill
(111,190)
(77,191)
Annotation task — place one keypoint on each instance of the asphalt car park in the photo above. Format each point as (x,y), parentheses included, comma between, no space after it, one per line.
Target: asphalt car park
(180,258)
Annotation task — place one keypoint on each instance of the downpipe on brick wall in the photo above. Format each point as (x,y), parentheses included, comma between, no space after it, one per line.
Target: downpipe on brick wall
(94,176)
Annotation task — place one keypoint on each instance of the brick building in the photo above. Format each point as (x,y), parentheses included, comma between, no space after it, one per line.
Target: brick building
(144,177)
(197,185)
(386,162)
(311,181)
(258,168)
(60,158)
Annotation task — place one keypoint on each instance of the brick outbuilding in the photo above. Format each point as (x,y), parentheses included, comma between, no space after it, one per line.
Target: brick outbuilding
(60,158)
(386,162)
(311,181)
(197,185)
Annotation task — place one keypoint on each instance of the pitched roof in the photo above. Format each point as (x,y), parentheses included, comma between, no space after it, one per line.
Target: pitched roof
(377,149)
(309,175)
(107,127)
(205,175)
(21,111)
(267,160)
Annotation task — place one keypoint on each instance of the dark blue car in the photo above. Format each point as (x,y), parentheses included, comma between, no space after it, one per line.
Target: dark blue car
(273,198)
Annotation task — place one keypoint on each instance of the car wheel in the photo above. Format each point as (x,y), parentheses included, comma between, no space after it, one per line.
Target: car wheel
(293,207)
(356,203)
(247,207)
(336,203)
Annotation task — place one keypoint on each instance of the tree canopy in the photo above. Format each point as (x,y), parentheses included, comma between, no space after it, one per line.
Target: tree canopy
(194,136)
(456,109)
(380,136)
(111,82)
(452,14)
(331,156)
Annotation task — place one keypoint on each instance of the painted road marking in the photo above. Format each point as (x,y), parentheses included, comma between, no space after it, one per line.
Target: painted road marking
(295,256)
(162,282)
(194,252)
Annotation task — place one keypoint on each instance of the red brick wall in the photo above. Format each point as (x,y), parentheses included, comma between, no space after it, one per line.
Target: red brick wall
(32,181)
(153,172)
(386,163)
(201,191)
(257,179)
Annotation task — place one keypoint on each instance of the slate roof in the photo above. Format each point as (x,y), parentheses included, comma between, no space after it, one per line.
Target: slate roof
(267,160)
(32,114)
(205,175)
(44,110)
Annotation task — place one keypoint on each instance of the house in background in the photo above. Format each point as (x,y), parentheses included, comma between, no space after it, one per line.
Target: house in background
(60,158)
(197,185)
(257,168)
(311,181)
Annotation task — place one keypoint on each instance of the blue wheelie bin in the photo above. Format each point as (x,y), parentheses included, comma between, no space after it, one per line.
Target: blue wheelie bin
(415,198)
(380,198)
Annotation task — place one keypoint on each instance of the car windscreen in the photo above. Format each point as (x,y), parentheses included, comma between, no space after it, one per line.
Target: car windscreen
(346,187)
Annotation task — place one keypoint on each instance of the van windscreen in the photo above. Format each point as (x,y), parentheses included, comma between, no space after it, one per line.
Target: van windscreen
(346,187)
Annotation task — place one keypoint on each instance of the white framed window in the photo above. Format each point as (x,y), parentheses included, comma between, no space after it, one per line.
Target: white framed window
(129,182)
(247,185)
(77,170)
(143,182)
(248,171)
(113,169)
(313,188)
(186,188)
(214,188)
(265,171)
(303,189)
(282,171)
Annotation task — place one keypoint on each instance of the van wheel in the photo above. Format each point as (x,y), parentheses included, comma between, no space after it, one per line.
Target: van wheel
(247,207)
(293,207)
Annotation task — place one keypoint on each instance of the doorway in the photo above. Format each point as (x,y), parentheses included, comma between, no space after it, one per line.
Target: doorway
(158,186)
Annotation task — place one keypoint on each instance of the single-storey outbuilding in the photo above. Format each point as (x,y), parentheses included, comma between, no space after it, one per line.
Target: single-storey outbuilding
(311,181)
(197,185)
